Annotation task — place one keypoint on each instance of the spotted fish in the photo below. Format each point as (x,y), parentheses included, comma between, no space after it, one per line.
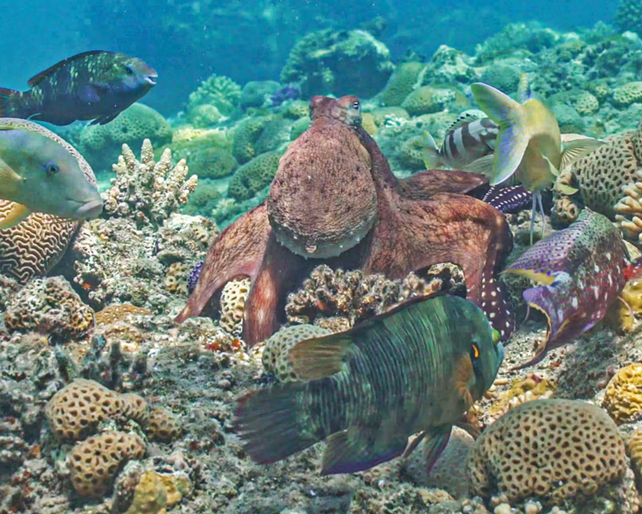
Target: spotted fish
(509,199)
(582,271)
(416,368)
(470,137)
(94,85)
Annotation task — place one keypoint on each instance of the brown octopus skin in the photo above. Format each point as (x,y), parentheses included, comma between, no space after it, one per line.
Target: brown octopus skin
(422,220)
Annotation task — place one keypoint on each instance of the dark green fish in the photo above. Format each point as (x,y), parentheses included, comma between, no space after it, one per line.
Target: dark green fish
(416,368)
(92,85)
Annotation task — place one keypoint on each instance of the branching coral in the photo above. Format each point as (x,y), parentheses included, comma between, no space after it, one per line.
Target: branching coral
(146,190)
(220,92)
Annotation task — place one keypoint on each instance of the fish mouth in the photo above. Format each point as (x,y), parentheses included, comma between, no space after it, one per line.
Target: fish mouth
(90,209)
(151,79)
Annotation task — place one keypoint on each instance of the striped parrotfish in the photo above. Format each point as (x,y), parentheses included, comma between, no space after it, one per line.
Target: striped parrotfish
(93,85)
(582,270)
(40,174)
(416,368)
(529,144)
(470,137)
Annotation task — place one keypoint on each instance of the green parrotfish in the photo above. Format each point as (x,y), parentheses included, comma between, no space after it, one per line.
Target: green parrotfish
(415,369)
(95,85)
(529,143)
(39,172)
(582,270)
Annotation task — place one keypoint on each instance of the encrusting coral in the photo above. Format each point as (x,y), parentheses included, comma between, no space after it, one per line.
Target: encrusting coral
(623,395)
(233,299)
(147,190)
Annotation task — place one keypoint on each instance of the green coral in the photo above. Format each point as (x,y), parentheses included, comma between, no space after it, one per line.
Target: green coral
(295,109)
(335,62)
(629,16)
(568,118)
(627,94)
(252,177)
(299,127)
(501,76)
(449,66)
(256,92)
(102,144)
(246,134)
(410,154)
(389,114)
(208,152)
(203,199)
(402,82)
(276,133)
(428,99)
(221,92)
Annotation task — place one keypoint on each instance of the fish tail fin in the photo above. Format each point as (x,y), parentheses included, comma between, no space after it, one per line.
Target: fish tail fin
(430,152)
(513,135)
(10,103)
(271,423)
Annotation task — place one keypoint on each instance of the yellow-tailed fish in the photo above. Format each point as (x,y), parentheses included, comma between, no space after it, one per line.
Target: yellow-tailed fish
(416,368)
(529,144)
(39,174)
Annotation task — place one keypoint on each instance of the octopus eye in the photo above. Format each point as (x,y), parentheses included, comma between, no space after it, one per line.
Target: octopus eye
(51,168)
(356,105)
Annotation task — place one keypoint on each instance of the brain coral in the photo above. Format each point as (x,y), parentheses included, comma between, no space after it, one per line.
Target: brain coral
(501,76)
(627,94)
(246,134)
(406,77)
(94,463)
(101,144)
(49,306)
(163,425)
(549,449)
(276,355)
(329,61)
(427,99)
(623,395)
(250,178)
(35,245)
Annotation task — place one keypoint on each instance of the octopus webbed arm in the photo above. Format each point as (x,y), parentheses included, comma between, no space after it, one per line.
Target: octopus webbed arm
(423,185)
(237,251)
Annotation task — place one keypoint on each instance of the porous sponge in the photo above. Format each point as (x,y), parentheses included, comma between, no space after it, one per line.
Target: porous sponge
(163,425)
(550,449)
(94,463)
(623,395)
(276,355)
(233,299)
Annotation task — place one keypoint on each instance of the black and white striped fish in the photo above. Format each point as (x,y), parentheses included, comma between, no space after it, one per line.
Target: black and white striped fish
(471,137)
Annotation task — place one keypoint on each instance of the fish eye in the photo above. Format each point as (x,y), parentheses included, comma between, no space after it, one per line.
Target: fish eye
(51,168)
(129,70)
(474,352)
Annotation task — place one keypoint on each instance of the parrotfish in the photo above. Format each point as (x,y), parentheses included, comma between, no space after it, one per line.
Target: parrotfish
(94,85)
(40,175)
(582,269)
(470,137)
(416,368)
(529,144)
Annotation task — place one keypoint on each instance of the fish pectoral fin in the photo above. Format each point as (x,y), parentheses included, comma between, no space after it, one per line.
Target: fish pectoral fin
(483,165)
(10,181)
(435,441)
(320,357)
(565,189)
(512,138)
(551,167)
(430,152)
(578,148)
(16,214)
(104,119)
(358,448)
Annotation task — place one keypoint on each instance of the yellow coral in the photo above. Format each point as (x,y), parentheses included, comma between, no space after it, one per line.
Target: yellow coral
(121,312)
(156,492)
(522,391)
(623,395)
(233,299)
(368,123)
(163,425)
(635,453)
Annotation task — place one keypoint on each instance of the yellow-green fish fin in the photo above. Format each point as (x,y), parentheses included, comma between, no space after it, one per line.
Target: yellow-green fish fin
(10,181)
(16,214)
(430,152)
(359,448)
(551,167)
(512,138)
(576,149)
(565,189)
(523,89)
(320,357)
(540,278)
(483,165)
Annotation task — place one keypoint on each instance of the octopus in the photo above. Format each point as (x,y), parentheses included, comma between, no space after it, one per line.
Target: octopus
(334,200)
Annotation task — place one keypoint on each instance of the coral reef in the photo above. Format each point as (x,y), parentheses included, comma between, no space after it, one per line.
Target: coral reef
(623,395)
(162,425)
(217,92)
(402,82)
(233,297)
(253,176)
(146,190)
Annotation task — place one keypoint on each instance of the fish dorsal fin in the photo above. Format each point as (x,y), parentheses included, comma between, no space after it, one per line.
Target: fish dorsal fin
(36,79)
(523,89)
(16,214)
(513,136)
(320,357)
(483,165)
(578,148)
(463,118)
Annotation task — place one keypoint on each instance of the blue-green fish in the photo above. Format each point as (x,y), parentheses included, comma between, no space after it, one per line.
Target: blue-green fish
(417,368)
(39,172)
(529,142)
(93,85)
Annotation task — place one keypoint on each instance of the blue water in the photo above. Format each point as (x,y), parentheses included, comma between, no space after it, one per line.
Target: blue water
(187,41)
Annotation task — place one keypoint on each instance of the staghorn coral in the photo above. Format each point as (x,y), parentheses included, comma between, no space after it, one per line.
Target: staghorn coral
(354,296)
(95,462)
(402,82)
(51,307)
(253,176)
(233,299)
(276,354)
(163,425)
(552,450)
(623,395)
(146,190)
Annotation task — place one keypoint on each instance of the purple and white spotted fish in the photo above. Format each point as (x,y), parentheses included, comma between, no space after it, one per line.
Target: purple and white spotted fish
(509,199)
(582,271)
(471,137)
